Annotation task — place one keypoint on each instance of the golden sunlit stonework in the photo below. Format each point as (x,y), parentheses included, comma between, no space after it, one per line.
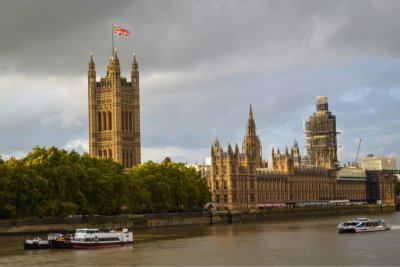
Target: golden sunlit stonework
(114,113)
(244,181)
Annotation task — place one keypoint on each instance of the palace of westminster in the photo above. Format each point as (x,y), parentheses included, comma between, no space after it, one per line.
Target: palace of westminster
(241,180)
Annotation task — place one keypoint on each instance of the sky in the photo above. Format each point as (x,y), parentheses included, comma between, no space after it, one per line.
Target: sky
(202,63)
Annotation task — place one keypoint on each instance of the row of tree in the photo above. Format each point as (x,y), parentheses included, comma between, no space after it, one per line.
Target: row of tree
(55,182)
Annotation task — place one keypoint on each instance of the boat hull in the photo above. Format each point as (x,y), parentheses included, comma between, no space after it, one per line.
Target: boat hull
(100,244)
(346,230)
(36,245)
(364,230)
(60,244)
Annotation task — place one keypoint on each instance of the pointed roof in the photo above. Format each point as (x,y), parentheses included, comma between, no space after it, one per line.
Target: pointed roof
(134,63)
(251,126)
(115,59)
(91,62)
(113,66)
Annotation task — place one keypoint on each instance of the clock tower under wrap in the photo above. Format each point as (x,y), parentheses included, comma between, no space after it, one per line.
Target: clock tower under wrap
(114,113)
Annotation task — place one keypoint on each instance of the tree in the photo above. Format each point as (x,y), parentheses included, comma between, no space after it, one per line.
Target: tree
(167,186)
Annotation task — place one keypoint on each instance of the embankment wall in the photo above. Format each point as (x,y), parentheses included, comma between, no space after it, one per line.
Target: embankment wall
(142,221)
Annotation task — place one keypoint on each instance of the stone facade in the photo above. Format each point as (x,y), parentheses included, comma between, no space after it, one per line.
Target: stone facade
(114,114)
(244,181)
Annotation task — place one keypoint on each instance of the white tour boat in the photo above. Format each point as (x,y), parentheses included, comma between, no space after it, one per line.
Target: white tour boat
(93,238)
(362,225)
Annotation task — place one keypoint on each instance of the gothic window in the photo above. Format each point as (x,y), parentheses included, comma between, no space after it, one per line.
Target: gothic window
(131,158)
(126,121)
(123,158)
(128,164)
(123,120)
(104,121)
(100,154)
(99,121)
(105,153)
(110,153)
(125,161)
(109,120)
(130,121)
(226,198)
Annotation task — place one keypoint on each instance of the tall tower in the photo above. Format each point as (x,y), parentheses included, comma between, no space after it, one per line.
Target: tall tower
(251,144)
(321,136)
(114,113)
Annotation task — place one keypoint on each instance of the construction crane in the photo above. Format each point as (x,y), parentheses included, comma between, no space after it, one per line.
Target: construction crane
(358,150)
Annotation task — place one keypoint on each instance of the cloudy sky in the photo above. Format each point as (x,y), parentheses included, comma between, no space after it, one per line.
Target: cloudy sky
(202,63)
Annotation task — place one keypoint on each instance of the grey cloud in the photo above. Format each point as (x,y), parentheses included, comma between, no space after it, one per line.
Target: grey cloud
(212,59)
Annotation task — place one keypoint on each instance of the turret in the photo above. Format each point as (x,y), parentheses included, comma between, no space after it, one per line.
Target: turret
(91,69)
(237,154)
(230,152)
(251,126)
(134,63)
(113,69)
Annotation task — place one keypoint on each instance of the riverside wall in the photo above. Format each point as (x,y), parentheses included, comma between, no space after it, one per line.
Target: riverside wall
(144,221)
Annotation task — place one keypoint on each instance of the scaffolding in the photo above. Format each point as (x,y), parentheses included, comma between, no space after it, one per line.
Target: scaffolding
(320,132)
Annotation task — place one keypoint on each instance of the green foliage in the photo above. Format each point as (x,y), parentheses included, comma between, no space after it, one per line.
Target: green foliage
(165,187)
(55,182)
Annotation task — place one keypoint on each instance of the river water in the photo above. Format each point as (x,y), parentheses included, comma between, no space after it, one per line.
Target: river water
(311,242)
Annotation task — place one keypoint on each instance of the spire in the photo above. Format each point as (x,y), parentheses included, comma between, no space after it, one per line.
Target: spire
(230,152)
(113,66)
(236,149)
(115,59)
(135,64)
(91,62)
(134,70)
(251,126)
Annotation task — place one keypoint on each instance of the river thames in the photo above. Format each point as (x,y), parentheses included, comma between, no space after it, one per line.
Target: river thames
(311,242)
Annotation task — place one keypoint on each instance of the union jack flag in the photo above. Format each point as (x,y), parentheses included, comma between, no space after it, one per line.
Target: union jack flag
(120,31)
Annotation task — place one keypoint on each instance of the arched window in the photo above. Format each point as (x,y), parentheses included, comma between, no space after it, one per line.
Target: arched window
(126,121)
(130,121)
(109,120)
(131,159)
(105,153)
(99,153)
(128,155)
(126,159)
(104,120)
(123,120)
(110,153)
(99,121)
(123,158)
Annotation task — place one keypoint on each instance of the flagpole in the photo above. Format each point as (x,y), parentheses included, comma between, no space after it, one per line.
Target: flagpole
(112,36)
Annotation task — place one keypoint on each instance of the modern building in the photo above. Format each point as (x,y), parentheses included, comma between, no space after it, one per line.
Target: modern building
(114,113)
(381,178)
(374,163)
(244,181)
